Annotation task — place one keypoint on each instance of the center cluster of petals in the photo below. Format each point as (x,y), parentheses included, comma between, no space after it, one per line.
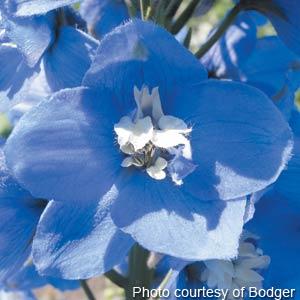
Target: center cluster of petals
(150,138)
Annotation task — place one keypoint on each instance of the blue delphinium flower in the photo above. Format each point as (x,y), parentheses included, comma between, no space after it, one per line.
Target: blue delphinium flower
(103,15)
(148,141)
(66,52)
(284,16)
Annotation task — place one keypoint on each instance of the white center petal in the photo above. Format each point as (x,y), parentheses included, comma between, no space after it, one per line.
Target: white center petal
(168,139)
(156,171)
(173,124)
(123,130)
(142,133)
(152,140)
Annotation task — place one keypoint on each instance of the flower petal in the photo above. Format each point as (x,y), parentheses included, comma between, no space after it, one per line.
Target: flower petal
(232,49)
(268,66)
(31,35)
(138,53)
(239,140)
(14,70)
(103,16)
(70,152)
(69,59)
(24,8)
(162,219)
(19,215)
(276,222)
(286,22)
(288,182)
(27,278)
(77,241)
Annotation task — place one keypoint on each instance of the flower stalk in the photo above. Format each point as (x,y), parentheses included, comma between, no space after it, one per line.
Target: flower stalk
(87,290)
(140,275)
(220,31)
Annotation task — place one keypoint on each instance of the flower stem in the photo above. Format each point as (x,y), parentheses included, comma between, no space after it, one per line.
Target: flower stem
(87,290)
(164,282)
(220,31)
(117,278)
(184,17)
(143,9)
(139,273)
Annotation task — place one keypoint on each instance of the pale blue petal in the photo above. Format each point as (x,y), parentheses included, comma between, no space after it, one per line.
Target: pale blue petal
(68,146)
(14,70)
(31,35)
(23,8)
(103,16)
(240,141)
(19,215)
(138,53)
(77,241)
(160,217)
(69,58)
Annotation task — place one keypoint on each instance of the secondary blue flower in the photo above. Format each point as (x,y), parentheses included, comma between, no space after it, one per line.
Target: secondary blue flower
(288,183)
(148,140)
(19,215)
(281,238)
(66,52)
(264,63)
(103,15)
(276,222)
(232,49)
(284,16)
(245,270)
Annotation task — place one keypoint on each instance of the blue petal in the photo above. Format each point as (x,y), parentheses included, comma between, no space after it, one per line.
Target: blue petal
(268,66)
(67,153)
(77,241)
(161,218)
(286,21)
(234,47)
(19,215)
(240,141)
(14,70)
(138,53)
(295,122)
(23,8)
(69,58)
(31,35)
(27,278)
(103,16)
(288,182)
(276,222)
